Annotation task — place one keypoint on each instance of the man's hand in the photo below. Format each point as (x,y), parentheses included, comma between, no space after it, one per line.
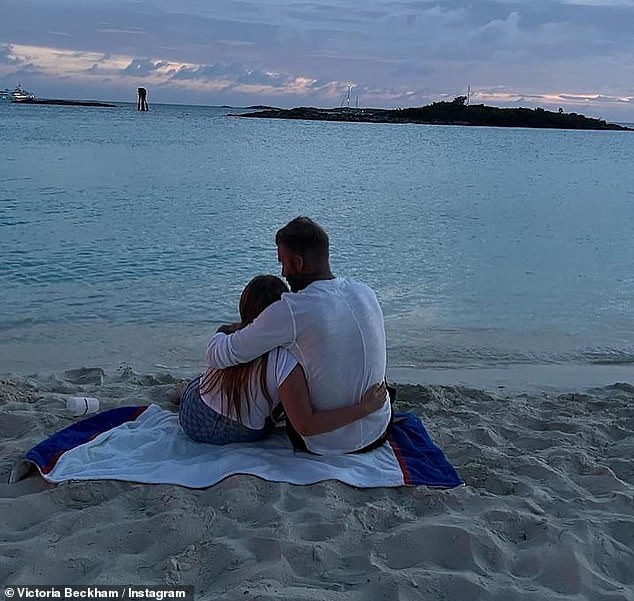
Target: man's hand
(230,328)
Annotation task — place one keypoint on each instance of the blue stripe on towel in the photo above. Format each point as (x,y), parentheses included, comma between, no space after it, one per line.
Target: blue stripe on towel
(421,461)
(46,454)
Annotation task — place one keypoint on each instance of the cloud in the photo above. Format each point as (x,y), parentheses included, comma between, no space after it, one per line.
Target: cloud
(554,100)
(207,72)
(6,57)
(601,3)
(409,68)
(232,78)
(58,33)
(142,67)
(237,78)
(499,31)
(16,66)
(595,98)
(233,74)
(125,31)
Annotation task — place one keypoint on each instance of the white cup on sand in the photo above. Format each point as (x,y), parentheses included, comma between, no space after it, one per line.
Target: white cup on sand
(82,405)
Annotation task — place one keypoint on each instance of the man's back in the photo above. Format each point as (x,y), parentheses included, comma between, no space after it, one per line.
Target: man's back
(340,343)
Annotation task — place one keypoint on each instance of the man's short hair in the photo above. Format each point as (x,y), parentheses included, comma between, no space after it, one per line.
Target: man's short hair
(303,237)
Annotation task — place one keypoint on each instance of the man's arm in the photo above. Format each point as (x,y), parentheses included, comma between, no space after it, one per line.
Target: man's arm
(308,422)
(274,327)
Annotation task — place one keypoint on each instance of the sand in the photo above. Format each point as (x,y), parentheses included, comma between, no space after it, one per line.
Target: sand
(547,513)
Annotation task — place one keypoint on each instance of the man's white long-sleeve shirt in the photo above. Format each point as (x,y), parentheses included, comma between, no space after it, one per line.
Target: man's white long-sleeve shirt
(335,330)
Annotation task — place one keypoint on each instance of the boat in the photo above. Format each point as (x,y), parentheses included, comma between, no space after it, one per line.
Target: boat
(18,94)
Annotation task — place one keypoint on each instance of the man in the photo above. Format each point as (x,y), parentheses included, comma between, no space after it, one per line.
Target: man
(334,328)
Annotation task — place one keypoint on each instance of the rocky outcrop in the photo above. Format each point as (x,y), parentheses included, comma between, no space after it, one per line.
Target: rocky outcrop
(65,102)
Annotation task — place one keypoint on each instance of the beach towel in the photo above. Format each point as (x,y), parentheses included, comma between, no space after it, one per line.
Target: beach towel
(146,444)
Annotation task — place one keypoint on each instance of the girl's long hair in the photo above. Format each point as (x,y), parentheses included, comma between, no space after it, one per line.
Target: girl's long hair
(235,383)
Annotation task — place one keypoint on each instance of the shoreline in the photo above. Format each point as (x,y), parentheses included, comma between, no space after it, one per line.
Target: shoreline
(508,379)
(555,378)
(179,351)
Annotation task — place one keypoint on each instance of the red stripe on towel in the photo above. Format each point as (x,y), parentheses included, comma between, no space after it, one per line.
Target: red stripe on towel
(407,479)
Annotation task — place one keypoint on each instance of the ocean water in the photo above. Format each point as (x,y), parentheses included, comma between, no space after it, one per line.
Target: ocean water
(126,237)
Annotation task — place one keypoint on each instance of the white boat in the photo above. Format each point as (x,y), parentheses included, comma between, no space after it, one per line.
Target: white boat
(18,94)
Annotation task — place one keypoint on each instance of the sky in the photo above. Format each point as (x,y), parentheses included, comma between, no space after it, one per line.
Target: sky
(573,54)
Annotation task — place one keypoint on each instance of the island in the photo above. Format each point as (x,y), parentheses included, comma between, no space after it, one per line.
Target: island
(62,102)
(456,112)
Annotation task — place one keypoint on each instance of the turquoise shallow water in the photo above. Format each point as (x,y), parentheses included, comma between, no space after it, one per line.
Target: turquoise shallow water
(127,237)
